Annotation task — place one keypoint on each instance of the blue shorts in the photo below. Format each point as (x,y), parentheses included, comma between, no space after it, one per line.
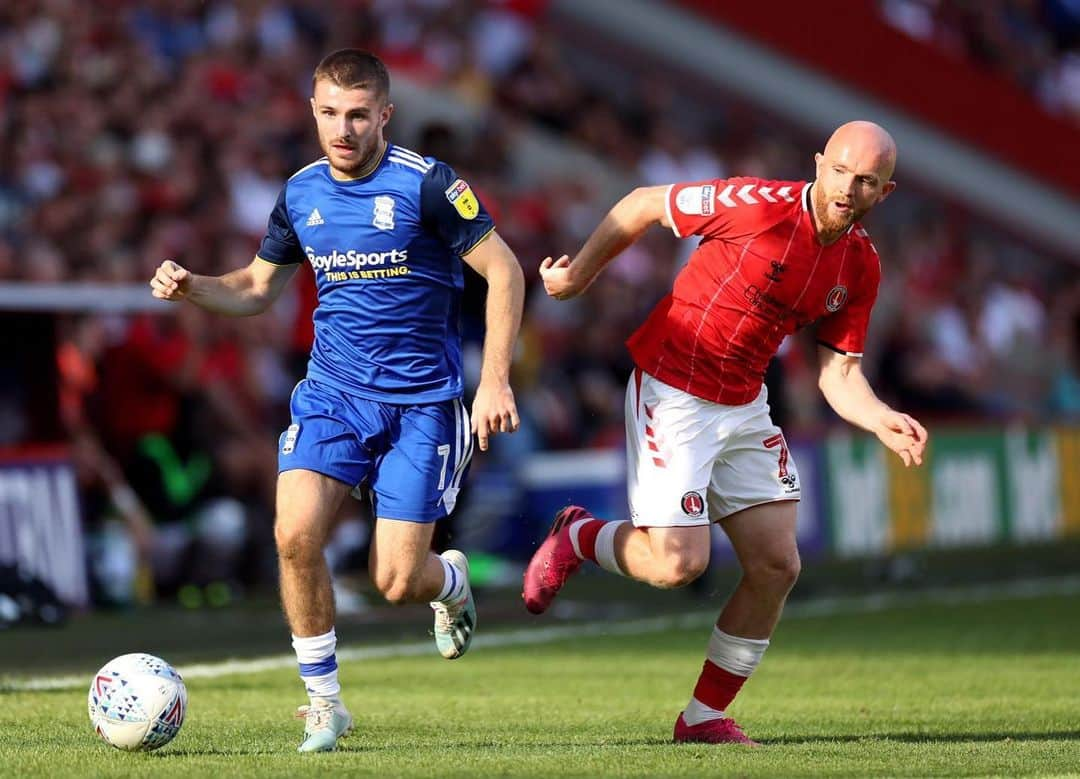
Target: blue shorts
(412,457)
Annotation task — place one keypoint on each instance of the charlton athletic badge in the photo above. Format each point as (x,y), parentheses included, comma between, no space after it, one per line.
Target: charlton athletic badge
(836,297)
(693,505)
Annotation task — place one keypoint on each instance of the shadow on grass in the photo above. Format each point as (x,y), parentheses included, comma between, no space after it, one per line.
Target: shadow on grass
(251,752)
(926,738)
(353,747)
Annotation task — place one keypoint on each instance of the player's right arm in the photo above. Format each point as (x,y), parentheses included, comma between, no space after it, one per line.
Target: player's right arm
(247,291)
(243,292)
(625,222)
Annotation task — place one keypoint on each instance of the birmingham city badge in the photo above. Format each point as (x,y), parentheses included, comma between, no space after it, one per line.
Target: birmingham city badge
(384,213)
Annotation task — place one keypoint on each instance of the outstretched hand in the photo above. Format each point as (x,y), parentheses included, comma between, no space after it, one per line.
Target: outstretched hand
(171,282)
(904,435)
(558,281)
(494,411)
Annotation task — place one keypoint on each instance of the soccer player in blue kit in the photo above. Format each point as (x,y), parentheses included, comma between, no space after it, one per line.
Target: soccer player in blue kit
(385,230)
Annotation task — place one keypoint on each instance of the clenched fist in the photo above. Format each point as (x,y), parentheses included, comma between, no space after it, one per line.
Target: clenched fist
(171,282)
(558,280)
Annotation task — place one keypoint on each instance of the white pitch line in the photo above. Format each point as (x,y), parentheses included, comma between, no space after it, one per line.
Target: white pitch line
(818,607)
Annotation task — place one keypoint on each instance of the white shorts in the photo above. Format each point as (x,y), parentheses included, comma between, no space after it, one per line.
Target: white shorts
(692,462)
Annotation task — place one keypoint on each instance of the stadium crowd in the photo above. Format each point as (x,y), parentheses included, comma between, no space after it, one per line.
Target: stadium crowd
(1035,43)
(137,131)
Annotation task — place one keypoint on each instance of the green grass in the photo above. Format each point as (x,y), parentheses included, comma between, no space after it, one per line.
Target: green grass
(934,690)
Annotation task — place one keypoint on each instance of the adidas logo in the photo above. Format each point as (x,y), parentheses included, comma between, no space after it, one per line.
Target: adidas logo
(315,218)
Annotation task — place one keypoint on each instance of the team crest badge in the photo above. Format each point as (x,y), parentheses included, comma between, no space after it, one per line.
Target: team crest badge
(384,213)
(693,505)
(836,297)
(461,196)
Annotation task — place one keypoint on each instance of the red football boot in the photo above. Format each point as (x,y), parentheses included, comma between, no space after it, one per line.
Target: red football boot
(714,731)
(554,562)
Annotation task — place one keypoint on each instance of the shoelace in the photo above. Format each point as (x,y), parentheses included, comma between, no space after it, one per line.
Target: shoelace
(444,619)
(316,717)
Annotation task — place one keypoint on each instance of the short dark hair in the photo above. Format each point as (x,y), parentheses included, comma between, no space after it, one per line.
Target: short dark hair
(354,69)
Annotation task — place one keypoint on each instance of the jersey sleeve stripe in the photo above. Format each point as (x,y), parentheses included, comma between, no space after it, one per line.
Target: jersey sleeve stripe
(840,351)
(408,163)
(408,153)
(479,241)
(396,153)
(667,211)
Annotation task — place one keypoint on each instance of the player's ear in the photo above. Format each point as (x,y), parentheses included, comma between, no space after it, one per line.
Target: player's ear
(313,111)
(887,190)
(387,112)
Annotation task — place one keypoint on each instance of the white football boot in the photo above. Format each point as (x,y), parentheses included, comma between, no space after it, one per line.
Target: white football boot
(325,721)
(456,621)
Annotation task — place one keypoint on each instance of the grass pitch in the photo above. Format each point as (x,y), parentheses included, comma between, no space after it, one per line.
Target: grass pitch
(969,689)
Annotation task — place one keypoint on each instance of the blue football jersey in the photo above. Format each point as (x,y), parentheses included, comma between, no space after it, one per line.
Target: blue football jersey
(386,250)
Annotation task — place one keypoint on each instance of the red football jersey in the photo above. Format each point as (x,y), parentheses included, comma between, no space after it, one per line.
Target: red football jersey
(758,275)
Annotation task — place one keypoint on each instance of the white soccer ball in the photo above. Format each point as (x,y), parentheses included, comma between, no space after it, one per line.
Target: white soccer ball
(137,702)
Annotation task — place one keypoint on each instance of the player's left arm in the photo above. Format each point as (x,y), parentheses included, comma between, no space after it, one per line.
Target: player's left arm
(846,389)
(452,212)
(494,409)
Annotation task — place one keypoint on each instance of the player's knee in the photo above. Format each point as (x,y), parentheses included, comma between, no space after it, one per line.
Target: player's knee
(396,588)
(398,595)
(294,542)
(679,569)
(775,572)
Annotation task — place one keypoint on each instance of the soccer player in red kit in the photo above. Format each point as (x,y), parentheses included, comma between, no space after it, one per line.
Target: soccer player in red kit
(774,256)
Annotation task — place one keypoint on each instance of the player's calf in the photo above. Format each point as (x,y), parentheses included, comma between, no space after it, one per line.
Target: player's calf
(678,569)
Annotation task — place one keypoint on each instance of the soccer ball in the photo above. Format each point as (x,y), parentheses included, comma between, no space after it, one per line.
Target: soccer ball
(137,702)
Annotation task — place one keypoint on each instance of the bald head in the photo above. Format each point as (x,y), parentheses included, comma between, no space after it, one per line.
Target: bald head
(863,145)
(853,175)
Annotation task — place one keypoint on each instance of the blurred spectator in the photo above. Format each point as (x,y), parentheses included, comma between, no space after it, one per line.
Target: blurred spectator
(136,130)
(1034,43)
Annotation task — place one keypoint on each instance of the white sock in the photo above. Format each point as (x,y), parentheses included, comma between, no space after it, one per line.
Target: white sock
(453,582)
(736,655)
(318,664)
(697,712)
(575,528)
(605,547)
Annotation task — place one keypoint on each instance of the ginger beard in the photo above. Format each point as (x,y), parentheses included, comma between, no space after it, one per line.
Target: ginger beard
(853,175)
(830,216)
